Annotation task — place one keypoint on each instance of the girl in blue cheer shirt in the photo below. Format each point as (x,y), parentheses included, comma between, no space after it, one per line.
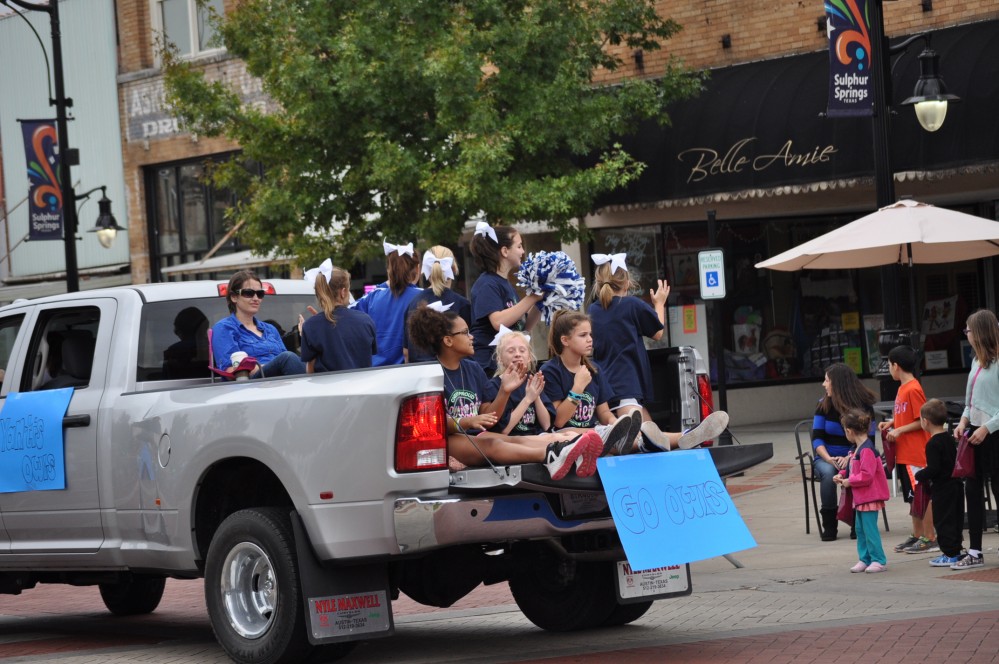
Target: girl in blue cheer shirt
(468,395)
(497,251)
(387,304)
(339,338)
(439,270)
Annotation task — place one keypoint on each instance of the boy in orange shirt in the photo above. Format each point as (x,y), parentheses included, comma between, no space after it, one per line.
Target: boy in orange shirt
(910,449)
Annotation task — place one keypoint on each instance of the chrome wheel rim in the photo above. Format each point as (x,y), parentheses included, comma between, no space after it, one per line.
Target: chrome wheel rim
(249,590)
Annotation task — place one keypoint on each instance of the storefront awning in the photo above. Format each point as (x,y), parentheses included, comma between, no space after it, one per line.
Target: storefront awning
(225,263)
(760,127)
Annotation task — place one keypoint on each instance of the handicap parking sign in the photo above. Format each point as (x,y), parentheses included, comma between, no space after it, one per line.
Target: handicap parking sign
(711,267)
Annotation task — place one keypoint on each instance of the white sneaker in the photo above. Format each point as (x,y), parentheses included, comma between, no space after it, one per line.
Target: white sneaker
(655,437)
(709,429)
(616,436)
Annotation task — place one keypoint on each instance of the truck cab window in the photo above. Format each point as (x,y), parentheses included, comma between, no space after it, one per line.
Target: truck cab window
(9,327)
(62,349)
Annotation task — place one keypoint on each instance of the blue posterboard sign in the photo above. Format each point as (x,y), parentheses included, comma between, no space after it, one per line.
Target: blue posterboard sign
(671,508)
(32,457)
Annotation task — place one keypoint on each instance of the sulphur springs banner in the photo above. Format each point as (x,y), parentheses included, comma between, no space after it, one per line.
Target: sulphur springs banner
(851,86)
(44,194)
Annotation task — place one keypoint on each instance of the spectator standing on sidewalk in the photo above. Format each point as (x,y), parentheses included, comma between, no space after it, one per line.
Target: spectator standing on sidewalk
(844,392)
(947,492)
(981,417)
(910,449)
(865,475)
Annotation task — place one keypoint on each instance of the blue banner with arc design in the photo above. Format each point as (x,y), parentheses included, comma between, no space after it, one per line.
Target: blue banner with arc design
(45,204)
(851,83)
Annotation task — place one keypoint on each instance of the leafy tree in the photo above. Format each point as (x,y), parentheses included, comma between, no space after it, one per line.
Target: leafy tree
(408,117)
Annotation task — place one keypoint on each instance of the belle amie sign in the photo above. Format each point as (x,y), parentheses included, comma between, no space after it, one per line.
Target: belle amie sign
(706,162)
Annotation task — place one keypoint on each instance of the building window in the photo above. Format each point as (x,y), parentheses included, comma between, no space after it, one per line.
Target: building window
(186,24)
(186,215)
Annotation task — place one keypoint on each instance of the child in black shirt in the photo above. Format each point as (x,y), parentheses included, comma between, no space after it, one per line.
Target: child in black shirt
(947,493)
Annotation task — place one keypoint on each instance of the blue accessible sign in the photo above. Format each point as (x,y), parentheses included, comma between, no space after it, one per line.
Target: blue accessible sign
(32,456)
(671,508)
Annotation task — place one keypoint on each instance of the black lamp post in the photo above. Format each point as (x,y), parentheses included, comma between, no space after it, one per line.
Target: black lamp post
(67,157)
(930,100)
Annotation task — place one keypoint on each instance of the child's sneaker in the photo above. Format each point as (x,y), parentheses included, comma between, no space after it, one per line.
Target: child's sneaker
(912,539)
(944,561)
(634,439)
(921,545)
(934,547)
(561,456)
(876,567)
(709,428)
(615,436)
(653,438)
(859,567)
(967,561)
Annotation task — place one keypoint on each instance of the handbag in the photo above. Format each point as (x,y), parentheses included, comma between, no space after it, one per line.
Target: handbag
(845,510)
(964,463)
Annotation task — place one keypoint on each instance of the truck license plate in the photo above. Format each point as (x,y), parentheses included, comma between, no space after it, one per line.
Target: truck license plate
(657,583)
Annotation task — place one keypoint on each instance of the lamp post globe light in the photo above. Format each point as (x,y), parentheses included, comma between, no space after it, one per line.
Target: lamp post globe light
(107,227)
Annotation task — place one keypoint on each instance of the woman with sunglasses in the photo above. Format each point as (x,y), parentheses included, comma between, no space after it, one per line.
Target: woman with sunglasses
(243,332)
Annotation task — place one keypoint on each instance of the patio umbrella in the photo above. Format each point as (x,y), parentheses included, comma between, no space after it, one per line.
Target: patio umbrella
(905,232)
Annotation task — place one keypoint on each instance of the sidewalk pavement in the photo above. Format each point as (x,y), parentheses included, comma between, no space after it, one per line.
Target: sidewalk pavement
(793,599)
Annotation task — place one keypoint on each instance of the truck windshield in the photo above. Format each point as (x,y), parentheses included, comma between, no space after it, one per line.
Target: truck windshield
(173,335)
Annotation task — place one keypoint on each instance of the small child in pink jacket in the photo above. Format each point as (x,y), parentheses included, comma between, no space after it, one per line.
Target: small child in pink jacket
(865,475)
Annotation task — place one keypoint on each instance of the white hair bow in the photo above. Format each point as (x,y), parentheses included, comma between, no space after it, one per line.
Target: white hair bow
(503,331)
(616,261)
(439,306)
(325,268)
(483,228)
(401,248)
(428,264)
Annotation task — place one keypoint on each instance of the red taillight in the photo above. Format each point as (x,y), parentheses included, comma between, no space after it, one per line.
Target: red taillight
(706,398)
(421,439)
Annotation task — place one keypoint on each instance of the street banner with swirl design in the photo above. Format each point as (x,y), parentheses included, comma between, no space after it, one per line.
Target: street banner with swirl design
(851,84)
(45,212)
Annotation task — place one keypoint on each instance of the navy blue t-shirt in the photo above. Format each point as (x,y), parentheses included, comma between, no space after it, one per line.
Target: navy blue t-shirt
(347,344)
(558,382)
(528,424)
(466,389)
(459,305)
(619,349)
(490,293)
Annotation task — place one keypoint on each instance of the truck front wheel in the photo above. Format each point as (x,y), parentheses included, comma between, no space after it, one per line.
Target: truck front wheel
(562,595)
(252,588)
(133,596)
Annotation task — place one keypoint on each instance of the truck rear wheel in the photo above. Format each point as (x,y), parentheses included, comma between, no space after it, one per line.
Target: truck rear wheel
(252,588)
(136,595)
(563,595)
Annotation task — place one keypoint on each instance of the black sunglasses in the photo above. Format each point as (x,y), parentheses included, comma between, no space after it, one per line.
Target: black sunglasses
(249,292)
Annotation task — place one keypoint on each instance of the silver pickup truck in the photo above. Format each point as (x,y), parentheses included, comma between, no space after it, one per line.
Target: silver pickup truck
(307,503)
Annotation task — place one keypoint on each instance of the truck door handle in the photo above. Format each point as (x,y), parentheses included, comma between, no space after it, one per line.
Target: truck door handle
(76,421)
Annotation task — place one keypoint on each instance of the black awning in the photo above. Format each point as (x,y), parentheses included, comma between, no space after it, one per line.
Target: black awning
(760,125)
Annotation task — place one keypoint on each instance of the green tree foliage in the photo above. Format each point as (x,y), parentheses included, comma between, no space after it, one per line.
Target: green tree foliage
(408,117)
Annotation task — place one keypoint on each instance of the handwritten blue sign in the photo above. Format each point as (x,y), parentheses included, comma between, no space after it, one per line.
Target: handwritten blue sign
(671,508)
(32,457)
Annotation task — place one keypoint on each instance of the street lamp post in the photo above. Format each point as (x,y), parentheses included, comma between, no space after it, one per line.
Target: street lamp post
(930,99)
(67,157)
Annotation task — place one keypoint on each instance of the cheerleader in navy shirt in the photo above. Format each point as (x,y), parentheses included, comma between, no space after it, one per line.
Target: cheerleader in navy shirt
(623,320)
(439,271)
(520,389)
(340,338)
(467,395)
(387,304)
(497,251)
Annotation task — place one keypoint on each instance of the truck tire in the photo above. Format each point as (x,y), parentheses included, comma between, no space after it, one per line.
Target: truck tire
(252,588)
(134,596)
(562,595)
(626,613)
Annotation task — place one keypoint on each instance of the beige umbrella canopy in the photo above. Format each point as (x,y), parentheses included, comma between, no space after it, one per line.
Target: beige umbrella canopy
(905,232)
